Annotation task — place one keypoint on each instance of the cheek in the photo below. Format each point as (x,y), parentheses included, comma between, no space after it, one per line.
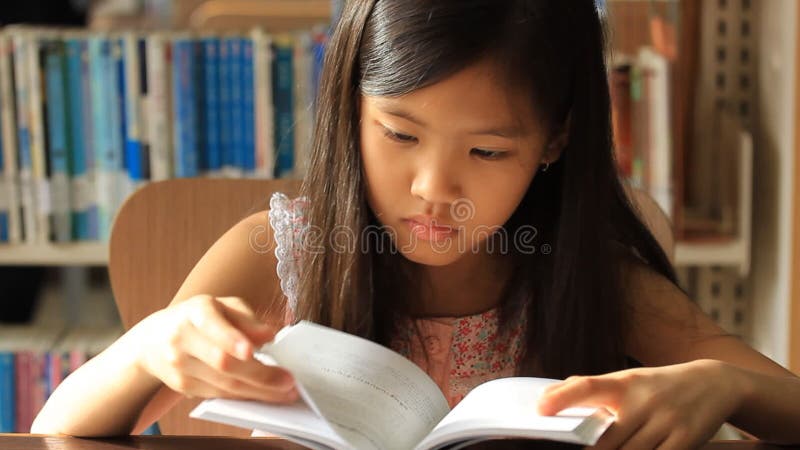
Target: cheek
(382,175)
(497,199)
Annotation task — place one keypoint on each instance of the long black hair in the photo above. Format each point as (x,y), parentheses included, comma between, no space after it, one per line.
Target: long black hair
(552,51)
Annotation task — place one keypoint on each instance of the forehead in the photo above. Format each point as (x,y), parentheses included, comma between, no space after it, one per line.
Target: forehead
(473,97)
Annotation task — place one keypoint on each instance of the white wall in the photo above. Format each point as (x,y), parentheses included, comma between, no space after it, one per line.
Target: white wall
(770,281)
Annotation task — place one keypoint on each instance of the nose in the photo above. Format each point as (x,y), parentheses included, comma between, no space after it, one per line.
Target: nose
(436,183)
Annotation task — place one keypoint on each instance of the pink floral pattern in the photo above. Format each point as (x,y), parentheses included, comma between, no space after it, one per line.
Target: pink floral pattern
(478,351)
(463,352)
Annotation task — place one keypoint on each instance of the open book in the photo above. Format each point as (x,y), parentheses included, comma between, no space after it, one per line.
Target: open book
(357,394)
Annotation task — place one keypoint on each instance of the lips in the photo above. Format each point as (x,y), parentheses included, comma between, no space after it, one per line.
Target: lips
(431,223)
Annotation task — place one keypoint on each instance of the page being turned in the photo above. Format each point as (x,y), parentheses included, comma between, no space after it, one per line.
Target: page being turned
(373,397)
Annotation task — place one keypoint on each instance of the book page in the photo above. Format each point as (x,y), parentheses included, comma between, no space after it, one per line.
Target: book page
(373,397)
(297,422)
(506,407)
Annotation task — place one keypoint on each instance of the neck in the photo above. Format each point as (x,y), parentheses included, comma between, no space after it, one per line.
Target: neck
(471,285)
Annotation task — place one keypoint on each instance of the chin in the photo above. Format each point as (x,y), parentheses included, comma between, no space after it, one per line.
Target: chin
(430,259)
(430,254)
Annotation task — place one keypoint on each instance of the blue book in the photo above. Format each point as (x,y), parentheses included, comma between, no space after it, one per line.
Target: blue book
(152,430)
(114,160)
(185,114)
(225,110)
(58,140)
(130,94)
(77,100)
(7,393)
(212,161)
(318,49)
(93,213)
(248,146)
(282,84)
(122,180)
(98,49)
(144,91)
(237,93)
(103,56)
(3,212)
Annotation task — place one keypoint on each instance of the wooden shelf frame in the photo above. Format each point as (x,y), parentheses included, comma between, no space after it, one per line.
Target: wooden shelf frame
(794,270)
(52,254)
(735,252)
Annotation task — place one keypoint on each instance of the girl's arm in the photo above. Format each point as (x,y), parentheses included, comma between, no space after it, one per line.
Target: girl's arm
(113,392)
(668,328)
(698,377)
(101,398)
(770,406)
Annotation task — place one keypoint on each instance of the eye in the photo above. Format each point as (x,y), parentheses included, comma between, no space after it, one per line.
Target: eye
(398,137)
(488,154)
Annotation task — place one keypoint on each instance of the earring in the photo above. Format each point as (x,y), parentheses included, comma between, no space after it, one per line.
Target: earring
(546,166)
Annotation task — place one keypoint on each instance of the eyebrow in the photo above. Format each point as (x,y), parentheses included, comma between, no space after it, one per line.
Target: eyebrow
(506,131)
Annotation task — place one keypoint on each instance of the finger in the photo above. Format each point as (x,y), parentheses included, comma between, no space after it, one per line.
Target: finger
(629,422)
(581,391)
(650,435)
(253,372)
(206,315)
(679,439)
(199,386)
(241,316)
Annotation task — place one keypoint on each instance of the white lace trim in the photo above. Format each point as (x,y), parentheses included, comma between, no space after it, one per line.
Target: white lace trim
(284,213)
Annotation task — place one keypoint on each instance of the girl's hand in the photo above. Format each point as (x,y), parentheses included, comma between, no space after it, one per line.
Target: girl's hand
(671,407)
(203,347)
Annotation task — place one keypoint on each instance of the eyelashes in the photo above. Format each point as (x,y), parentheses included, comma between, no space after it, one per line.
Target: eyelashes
(399,137)
(491,155)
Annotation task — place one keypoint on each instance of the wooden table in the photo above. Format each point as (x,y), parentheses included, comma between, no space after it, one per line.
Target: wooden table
(43,442)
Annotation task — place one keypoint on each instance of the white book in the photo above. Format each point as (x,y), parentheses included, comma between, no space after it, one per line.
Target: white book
(19,38)
(356,394)
(9,133)
(265,114)
(41,182)
(659,144)
(159,105)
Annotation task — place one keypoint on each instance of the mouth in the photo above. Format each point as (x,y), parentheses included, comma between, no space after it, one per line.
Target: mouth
(430,231)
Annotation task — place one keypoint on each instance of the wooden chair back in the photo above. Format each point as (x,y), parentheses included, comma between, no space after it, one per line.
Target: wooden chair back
(159,234)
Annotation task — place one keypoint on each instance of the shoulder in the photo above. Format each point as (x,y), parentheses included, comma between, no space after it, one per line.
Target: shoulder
(239,263)
(665,325)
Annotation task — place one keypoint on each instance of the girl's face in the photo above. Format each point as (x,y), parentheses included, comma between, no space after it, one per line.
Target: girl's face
(447,165)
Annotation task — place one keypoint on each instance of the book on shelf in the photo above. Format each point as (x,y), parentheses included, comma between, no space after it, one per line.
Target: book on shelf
(357,394)
(35,359)
(87,117)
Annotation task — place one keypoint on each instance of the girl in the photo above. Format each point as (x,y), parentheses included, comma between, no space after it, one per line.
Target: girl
(474,137)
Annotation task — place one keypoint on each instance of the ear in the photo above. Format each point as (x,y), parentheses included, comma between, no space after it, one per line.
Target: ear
(558,142)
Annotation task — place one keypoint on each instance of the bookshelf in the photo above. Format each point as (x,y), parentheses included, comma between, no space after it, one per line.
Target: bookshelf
(77,254)
(747,59)
(98,67)
(218,15)
(215,14)
(772,277)
(735,251)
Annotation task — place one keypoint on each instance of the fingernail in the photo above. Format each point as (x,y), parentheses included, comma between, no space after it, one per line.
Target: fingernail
(242,350)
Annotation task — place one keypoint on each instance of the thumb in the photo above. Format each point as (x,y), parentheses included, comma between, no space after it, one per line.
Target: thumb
(580,391)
